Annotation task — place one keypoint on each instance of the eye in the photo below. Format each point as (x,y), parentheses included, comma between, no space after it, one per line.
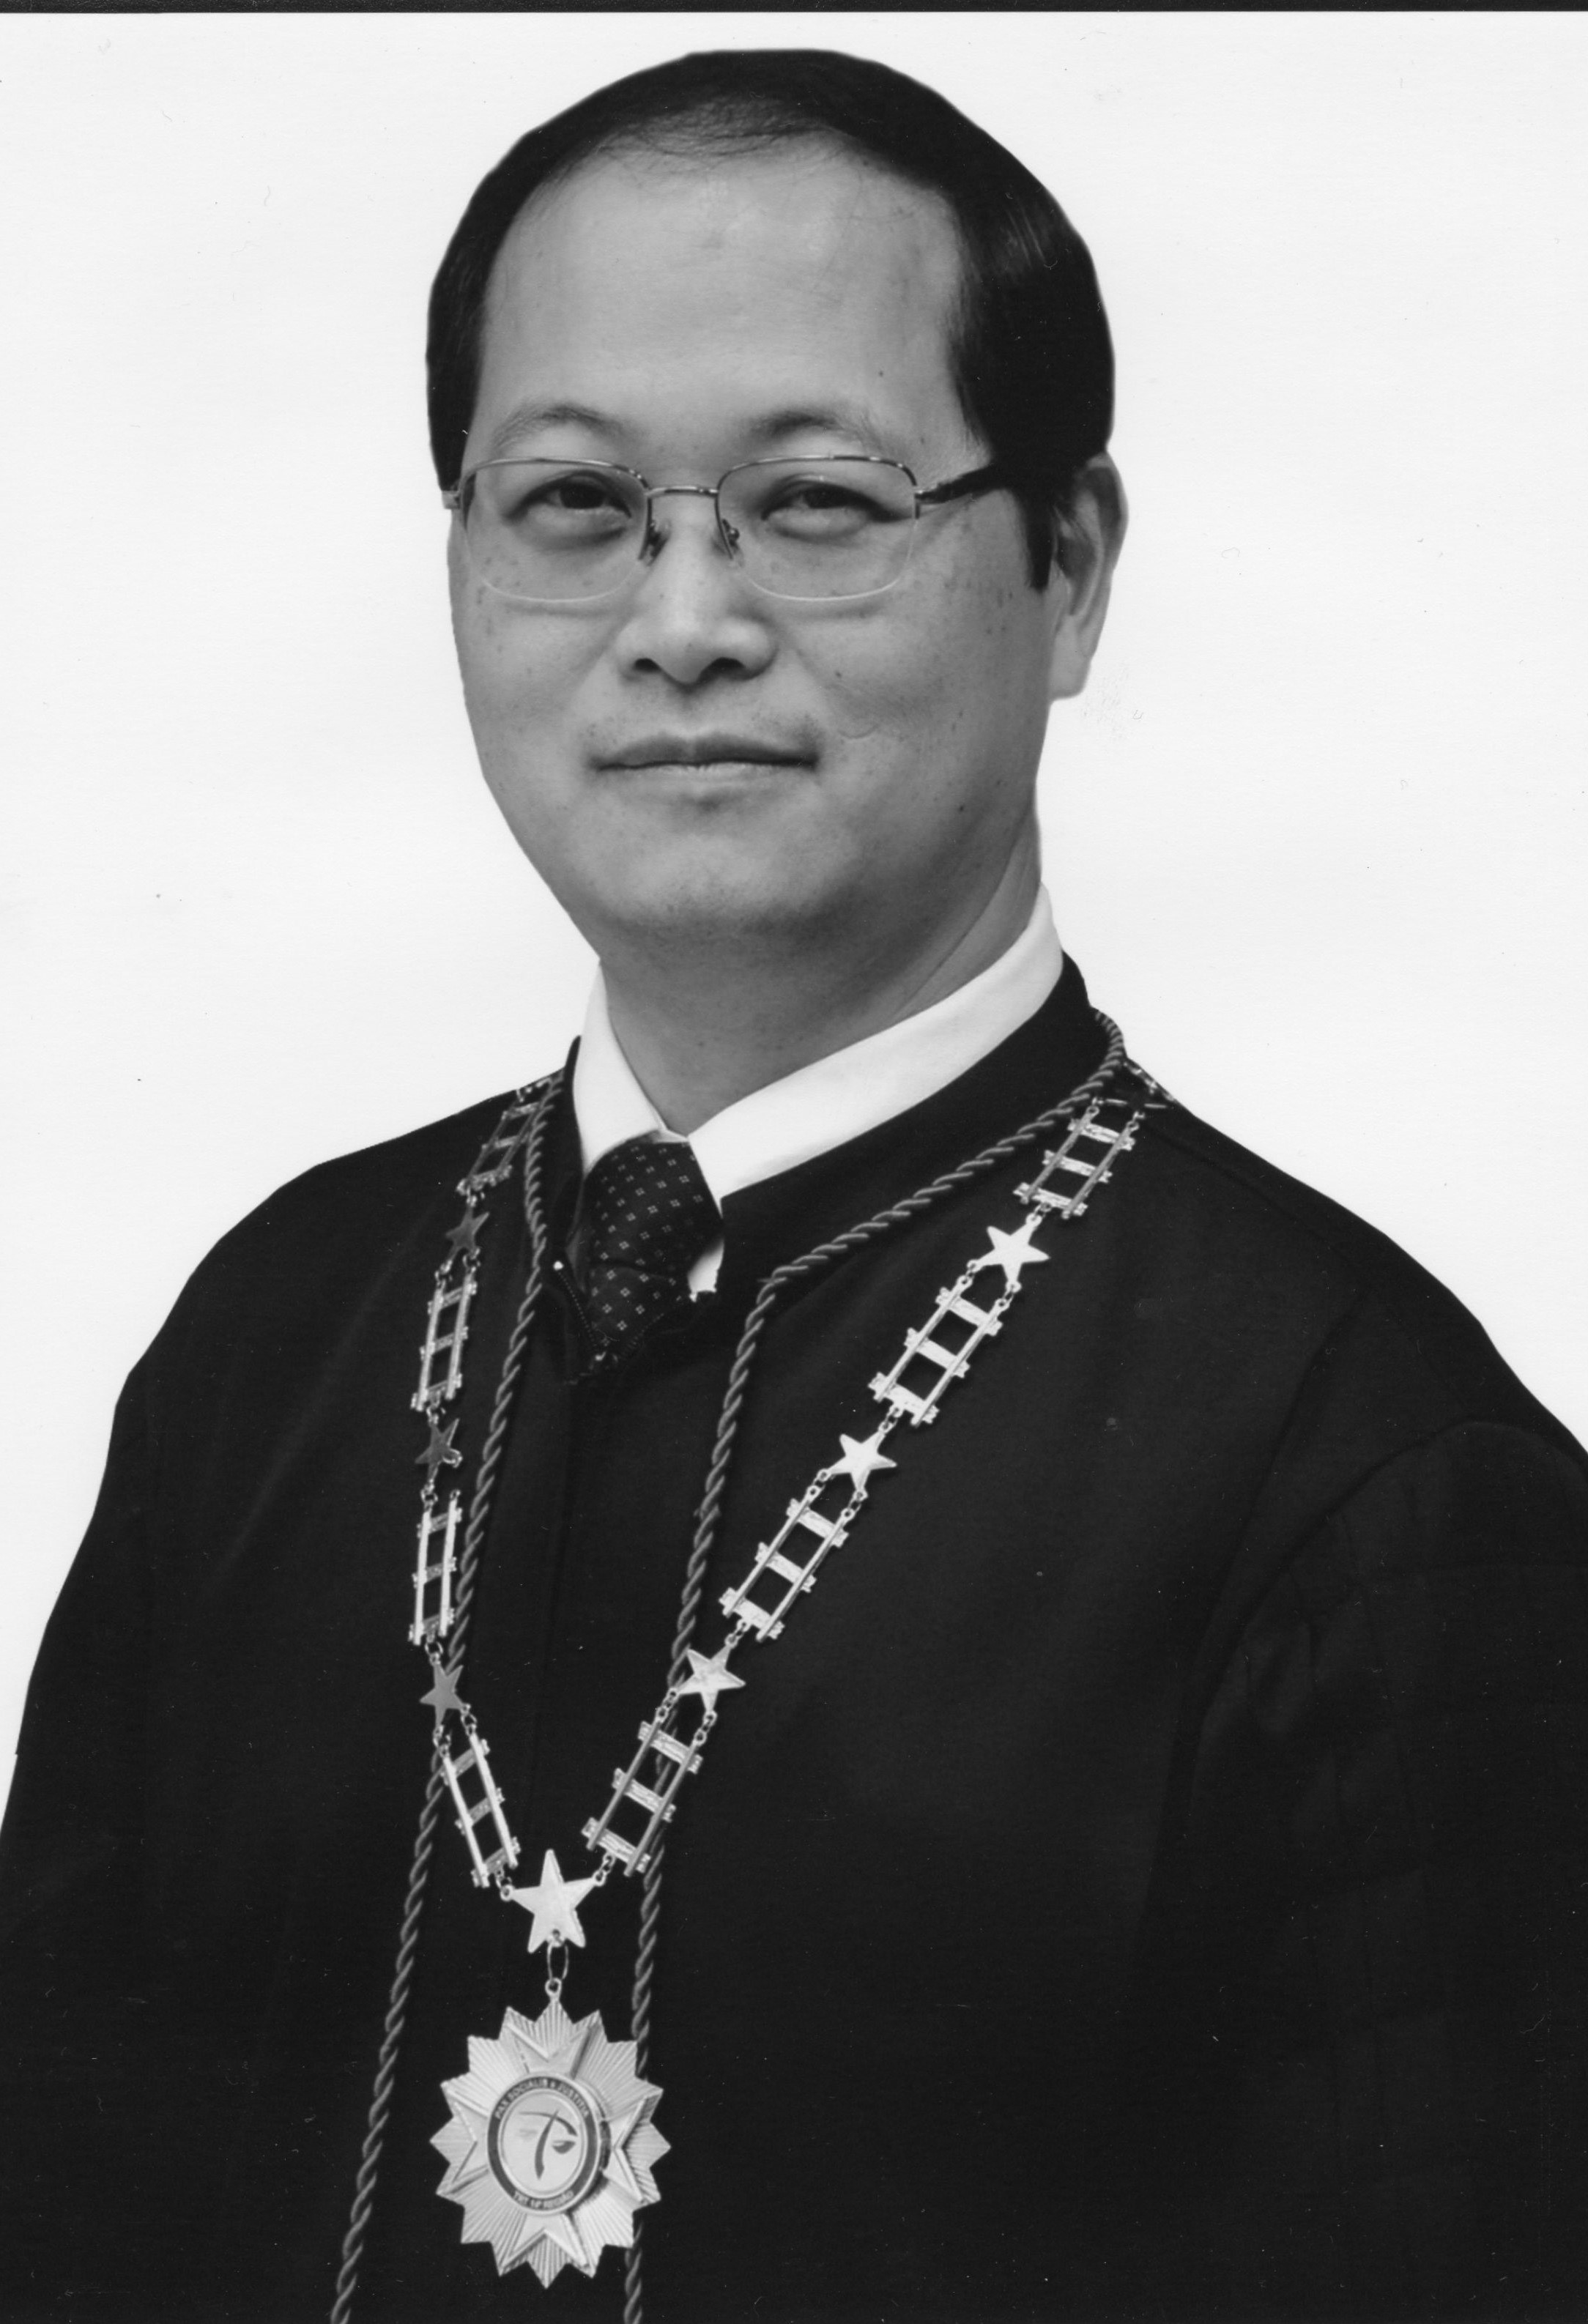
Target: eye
(579,492)
(821,508)
(563,505)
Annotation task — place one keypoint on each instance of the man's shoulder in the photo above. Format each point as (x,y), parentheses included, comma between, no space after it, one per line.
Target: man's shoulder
(374,1188)
(1279,1250)
(343,1222)
(1238,1191)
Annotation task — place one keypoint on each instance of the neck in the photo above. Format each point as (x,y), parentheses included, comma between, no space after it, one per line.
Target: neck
(702,1031)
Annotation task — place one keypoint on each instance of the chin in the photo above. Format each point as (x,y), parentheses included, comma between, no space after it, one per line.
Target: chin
(731,905)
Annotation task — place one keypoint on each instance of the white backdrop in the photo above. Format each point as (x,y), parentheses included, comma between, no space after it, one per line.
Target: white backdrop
(1316,833)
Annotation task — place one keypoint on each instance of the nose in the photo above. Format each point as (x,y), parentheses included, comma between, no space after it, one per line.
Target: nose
(692,616)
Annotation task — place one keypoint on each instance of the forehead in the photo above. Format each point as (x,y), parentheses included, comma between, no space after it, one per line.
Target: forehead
(715,296)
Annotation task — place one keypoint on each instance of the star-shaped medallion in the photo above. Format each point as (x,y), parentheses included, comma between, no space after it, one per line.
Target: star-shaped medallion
(441,1453)
(554,1904)
(860,1460)
(550,2144)
(465,1236)
(1012,1252)
(443,1696)
(708,1674)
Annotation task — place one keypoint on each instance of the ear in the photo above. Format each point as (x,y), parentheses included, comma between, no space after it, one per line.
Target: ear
(1092,537)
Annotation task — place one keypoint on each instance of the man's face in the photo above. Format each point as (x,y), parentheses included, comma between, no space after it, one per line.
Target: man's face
(692,758)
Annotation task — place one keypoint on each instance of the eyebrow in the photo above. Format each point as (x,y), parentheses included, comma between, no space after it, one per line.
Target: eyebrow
(842,418)
(525,417)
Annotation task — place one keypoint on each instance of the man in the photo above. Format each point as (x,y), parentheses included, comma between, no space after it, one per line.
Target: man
(1137,1872)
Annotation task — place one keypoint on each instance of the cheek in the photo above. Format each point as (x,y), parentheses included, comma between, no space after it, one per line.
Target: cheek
(941,669)
(887,678)
(518,681)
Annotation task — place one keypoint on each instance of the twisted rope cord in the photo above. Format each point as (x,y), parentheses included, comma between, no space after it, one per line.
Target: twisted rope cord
(396,2019)
(710,1511)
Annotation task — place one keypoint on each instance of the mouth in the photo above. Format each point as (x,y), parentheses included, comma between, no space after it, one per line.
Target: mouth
(706,752)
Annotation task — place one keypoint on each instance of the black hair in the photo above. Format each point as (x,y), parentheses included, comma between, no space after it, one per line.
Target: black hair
(1029,351)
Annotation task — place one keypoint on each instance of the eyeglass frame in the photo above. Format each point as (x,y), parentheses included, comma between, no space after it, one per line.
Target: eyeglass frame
(991,478)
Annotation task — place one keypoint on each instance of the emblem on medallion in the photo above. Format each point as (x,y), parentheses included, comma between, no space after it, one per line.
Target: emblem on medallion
(550,2144)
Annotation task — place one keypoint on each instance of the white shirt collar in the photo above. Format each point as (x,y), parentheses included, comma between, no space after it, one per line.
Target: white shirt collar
(839,1097)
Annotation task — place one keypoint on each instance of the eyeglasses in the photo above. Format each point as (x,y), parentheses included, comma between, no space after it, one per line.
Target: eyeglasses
(557,532)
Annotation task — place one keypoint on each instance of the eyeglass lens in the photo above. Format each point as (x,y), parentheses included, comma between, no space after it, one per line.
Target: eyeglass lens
(554,530)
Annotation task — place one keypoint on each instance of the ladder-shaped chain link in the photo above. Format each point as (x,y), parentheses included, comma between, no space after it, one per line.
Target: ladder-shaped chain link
(785,1568)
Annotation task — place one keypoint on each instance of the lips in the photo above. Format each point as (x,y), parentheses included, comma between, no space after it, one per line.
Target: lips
(706,751)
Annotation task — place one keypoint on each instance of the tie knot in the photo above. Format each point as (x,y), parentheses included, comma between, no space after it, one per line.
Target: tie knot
(649,1214)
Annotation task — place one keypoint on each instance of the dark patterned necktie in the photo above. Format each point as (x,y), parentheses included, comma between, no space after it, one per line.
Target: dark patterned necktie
(648,1215)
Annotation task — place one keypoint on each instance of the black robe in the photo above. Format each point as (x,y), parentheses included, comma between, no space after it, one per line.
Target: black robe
(1145,1879)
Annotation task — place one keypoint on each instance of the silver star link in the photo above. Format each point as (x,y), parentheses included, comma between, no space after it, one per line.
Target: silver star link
(861,1458)
(465,1236)
(708,1674)
(1012,1252)
(441,1453)
(443,1696)
(554,1904)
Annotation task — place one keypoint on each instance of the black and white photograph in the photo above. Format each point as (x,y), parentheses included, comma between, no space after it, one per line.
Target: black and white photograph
(795,824)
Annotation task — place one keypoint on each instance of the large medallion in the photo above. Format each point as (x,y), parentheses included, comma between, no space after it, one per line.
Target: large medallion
(550,2144)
